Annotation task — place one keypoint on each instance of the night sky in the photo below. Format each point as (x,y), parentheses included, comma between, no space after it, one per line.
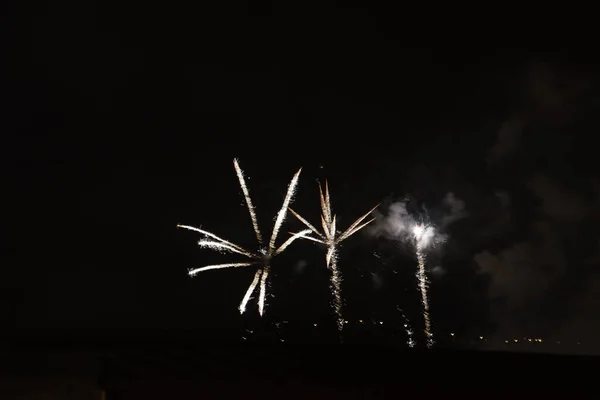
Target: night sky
(121,123)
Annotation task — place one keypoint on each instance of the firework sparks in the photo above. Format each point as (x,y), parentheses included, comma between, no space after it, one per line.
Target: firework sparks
(407,329)
(301,234)
(331,239)
(251,210)
(249,292)
(423,234)
(262,258)
(209,244)
(399,224)
(193,272)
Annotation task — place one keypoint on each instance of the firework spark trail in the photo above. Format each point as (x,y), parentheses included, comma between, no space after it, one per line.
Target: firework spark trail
(354,227)
(330,256)
(399,224)
(193,272)
(250,206)
(263,289)
(407,328)
(295,236)
(263,256)
(422,237)
(308,225)
(249,292)
(325,203)
(423,286)
(210,244)
(291,191)
(212,236)
(330,238)
(336,289)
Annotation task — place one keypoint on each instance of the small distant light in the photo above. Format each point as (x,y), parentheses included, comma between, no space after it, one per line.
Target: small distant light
(506,341)
(345,322)
(360,320)
(314,324)
(451,333)
(281,340)
(380,322)
(481,337)
(540,340)
(516,340)
(530,340)
(406,325)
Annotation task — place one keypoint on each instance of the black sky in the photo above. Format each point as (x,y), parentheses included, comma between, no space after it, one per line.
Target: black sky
(122,122)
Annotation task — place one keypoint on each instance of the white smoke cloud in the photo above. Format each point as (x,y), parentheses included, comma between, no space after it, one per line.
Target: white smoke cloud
(457,209)
(507,142)
(549,96)
(438,271)
(377,281)
(398,224)
(300,266)
(525,274)
(504,198)
(424,235)
(522,276)
(559,202)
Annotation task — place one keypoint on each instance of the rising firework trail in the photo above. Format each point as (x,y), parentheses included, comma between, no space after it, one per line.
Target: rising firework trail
(331,239)
(261,260)
(422,235)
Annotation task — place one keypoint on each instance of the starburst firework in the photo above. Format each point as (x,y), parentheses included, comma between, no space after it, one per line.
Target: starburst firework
(261,259)
(331,239)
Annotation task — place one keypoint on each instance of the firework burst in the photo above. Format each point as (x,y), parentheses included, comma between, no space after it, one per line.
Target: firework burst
(331,238)
(260,259)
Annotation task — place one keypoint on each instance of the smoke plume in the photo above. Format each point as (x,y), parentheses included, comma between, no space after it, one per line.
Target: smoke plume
(397,223)
(534,274)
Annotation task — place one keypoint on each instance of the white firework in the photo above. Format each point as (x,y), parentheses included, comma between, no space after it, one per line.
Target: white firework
(260,259)
(331,238)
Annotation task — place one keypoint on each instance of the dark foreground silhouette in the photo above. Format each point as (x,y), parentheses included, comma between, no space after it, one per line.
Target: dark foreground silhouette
(159,369)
